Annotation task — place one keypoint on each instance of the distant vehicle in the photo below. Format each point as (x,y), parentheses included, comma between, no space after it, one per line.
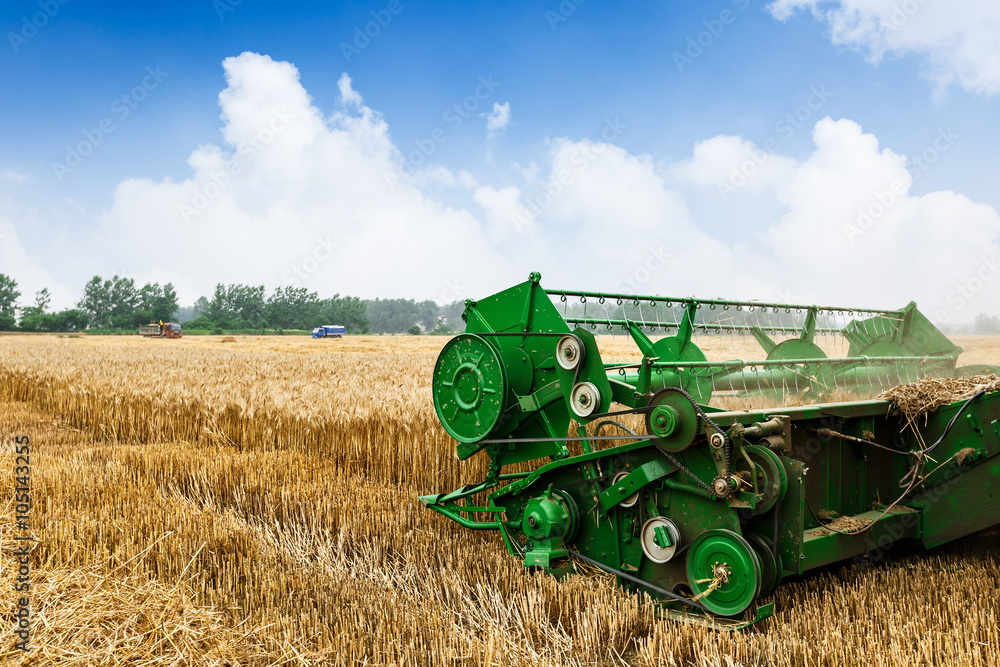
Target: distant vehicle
(161,330)
(329,331)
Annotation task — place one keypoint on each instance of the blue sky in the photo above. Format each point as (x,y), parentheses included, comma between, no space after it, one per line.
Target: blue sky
(667,76)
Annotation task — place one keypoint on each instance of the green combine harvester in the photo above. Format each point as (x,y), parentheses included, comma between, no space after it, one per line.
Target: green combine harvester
(702,508)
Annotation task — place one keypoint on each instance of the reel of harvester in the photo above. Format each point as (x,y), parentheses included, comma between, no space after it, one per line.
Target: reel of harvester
(705,510)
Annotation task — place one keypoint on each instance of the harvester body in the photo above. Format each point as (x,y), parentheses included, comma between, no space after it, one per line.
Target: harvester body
(703,507)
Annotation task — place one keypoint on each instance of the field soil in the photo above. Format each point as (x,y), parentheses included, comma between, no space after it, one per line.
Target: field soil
(254,502)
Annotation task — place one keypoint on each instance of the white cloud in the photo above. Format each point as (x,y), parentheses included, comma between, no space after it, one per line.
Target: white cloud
(347,94)
(27,269)
(11,176)
(959,40)
(498,119)
(293,195)
(853,231)
(286,185)
(729,163)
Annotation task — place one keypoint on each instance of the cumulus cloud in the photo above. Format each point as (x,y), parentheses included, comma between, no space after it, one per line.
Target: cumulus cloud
(852,227)
(27,269)
(295,196)
(498,119)
(958,40)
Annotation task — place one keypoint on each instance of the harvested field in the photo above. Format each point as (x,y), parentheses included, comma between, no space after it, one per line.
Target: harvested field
(254,502)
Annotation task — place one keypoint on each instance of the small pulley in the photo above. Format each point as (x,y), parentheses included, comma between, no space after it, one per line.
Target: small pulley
(569,352)
(660,539)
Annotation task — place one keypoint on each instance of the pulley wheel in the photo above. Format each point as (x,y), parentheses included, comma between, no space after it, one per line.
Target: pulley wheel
(585,399)
(772,479)
(672,419)
(631,500)
(660,539)
(569,352)
(469,387)
(770,566)
(724,570)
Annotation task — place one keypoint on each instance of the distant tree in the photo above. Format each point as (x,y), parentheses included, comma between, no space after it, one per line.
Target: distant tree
(155,303)
(452,314)
(193,312)
(67,320)
(292,308)
(414,330)
(110,303)
(442,328)
(349,311)
(238,307)
(987,324)
(9,295)
(33,318)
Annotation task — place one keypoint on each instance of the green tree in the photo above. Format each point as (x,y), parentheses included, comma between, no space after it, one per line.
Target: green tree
(110,303)
(349,311)
(193,312)
(33,318)
(238,306)
(9,295)
(292,308)
(155,303)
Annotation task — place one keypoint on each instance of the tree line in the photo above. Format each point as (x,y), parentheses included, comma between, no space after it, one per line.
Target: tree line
(118,304)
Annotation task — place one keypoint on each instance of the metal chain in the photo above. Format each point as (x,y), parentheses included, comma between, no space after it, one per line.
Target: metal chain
(701,414)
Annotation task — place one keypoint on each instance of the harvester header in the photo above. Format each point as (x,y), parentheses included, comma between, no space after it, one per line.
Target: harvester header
(623,405)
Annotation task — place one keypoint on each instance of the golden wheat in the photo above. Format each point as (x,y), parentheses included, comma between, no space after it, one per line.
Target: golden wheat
(255,503)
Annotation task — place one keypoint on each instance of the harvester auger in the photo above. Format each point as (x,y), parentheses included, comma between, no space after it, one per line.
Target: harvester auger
(706,509)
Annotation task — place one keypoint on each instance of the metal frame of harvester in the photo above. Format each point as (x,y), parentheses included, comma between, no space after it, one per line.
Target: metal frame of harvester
(704,508)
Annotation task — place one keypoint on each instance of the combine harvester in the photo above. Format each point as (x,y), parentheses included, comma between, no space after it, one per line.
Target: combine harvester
(702,508)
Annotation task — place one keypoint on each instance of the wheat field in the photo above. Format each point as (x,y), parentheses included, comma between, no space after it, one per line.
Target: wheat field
(199,502)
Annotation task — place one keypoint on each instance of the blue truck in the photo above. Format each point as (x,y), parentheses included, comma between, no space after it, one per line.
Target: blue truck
(329,331)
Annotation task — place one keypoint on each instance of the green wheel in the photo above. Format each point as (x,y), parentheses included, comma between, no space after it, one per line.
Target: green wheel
(469,387)
(770,566)
(772,479)
(695,381)
(672,419)
(723,569)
